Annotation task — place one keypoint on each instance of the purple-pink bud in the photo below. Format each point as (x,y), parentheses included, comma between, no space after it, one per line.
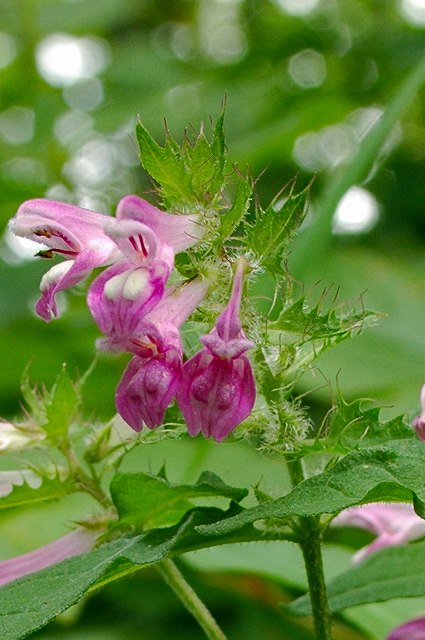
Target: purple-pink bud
(218,387)
(419,422)
(147,388)
(412,630)
(154,375)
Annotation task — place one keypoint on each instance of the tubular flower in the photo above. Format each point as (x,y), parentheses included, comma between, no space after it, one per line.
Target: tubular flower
(69,231)
(123,294)
(393,523)
(419,421)
(154,375)
(218,387)
(412,630)
(72,544)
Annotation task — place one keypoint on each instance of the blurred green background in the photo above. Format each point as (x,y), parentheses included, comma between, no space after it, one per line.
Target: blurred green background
(305,81)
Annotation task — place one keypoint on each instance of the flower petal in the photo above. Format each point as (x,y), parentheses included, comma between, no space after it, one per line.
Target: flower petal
(412,630)
(147,388)
(178,231)
(216,394)
(122,295)
(61,276)
(63,227)
(72,544)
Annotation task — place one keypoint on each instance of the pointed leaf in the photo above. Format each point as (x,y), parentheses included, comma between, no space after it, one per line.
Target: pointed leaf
(392,473)
(268,237)
(25,487)
(31,602)
(61,408)
(233,216)
(144,500)
(387,574)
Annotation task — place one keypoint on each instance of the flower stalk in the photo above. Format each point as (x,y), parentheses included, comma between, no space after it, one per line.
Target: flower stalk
(311,547)
(190,599)
(309,537)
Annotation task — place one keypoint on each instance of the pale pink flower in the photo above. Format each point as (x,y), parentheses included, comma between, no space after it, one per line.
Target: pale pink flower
(72,544)
(393,523)
(126,292)
(69,231)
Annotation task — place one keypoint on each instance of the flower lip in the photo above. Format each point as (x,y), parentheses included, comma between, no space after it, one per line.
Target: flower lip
(136,240)
(179,231)
(64,228)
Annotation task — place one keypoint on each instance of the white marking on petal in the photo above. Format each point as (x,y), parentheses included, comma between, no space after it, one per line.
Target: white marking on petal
(55,274)
(114,286)
(135,285)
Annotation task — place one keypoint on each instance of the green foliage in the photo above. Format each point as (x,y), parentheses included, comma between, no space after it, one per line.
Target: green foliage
(351,425)
(29,603)
(230,219)
(63,402)
(272,230)
(388,574)
(144,501)
(191,175)
(394,472)
(28,488)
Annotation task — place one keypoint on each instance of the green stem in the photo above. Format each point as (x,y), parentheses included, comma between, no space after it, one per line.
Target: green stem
(310,540)
(189,598)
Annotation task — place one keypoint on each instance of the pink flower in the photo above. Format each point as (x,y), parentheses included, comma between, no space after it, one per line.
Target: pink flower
(419,421)
(393,523)
(89,240)
(70,231)
(123,294)
(72,544)
(154,375)
(218,387)
(413,630)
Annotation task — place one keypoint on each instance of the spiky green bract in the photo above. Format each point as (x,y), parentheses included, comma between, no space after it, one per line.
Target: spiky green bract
(269,235)
(52,453)
(189,175)
(302,332)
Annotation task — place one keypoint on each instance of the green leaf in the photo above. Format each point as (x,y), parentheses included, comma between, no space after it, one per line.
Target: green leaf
(269,236)
(31,602)
(233,216)
(33,398)
(350,425)
(301,323)
(300,333)
(144,500)
(389,573)
(392,473)
(190,174)
(61,407)
(26,487)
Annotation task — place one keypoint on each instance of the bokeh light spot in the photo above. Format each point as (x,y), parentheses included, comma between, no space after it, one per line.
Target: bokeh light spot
(7,49)
(357,212)
(307,69)
(63,59)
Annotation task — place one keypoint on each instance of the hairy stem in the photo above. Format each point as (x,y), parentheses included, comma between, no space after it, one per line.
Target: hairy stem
(310,540)
(189,598)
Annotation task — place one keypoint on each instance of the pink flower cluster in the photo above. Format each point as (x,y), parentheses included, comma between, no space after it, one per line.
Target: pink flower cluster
(138,313)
